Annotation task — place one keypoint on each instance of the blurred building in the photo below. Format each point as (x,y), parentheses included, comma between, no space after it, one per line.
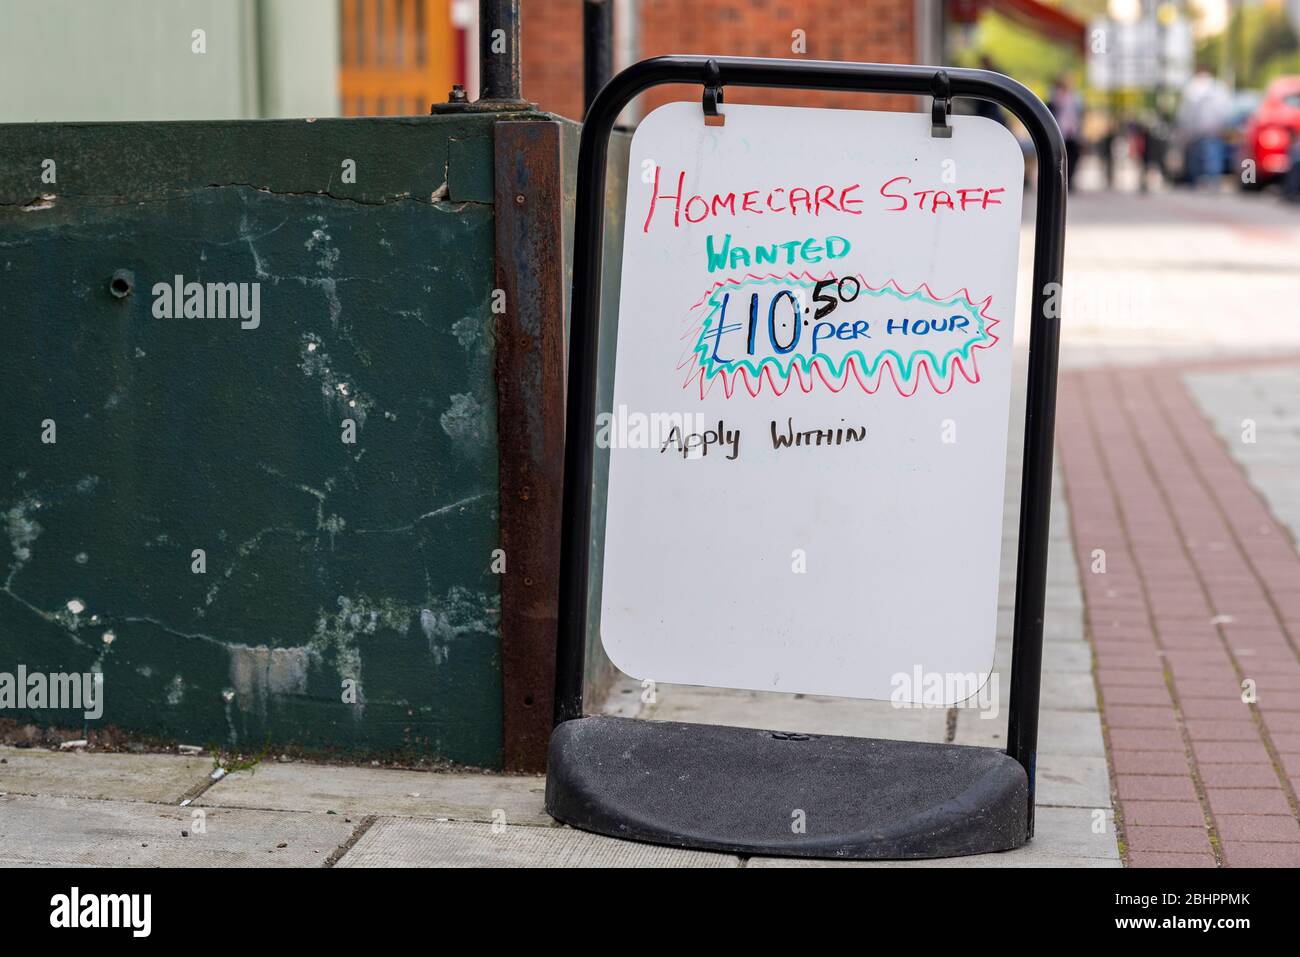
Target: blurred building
(398,56)
(141,59)
(887,31)
(66,60)
(1048,21)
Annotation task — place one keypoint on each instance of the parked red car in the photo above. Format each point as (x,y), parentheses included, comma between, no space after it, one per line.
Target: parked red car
(1268,134)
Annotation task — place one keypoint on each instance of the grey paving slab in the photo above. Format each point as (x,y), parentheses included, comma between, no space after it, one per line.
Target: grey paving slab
(1270,398)
(1017,858)
(980,732)
(1058,624)
(406,842)
(55,831)
(1064,733)
(1070,733)
(1073,656)
(1062,690)
(1073,780)
(1069,691)
(161,778)
(355,792)
(1064,837)
(1070,657)
(1059,598)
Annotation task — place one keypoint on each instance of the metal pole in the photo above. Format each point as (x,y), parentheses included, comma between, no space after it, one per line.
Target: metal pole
(597,48)
(1044,343)
(498,51)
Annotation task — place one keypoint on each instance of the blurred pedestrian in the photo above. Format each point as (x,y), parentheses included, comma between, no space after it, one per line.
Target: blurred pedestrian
(1203,113)
(1291,183)
(1067,106)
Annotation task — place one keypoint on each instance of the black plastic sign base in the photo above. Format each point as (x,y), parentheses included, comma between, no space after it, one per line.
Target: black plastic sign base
(774,793)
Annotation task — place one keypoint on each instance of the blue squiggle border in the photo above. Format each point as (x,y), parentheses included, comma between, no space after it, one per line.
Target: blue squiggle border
(906,367)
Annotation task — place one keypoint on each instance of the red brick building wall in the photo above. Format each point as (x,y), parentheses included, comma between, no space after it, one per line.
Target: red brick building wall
(551,40)
(870,30)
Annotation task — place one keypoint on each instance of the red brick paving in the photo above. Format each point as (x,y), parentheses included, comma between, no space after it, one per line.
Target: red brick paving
(1258,854)
(1201,592)
(1157,859)
(1147,837)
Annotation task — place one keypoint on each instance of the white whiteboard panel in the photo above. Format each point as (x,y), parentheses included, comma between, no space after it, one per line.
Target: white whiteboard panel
(868,546)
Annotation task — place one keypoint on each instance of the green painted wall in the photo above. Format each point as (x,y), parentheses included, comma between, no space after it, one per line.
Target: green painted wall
(324,560)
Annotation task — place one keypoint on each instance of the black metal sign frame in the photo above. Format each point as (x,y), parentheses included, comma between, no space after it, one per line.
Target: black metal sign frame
(714,73)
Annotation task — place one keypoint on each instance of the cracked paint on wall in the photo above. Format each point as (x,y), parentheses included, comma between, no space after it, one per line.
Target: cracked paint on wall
(23,529)
(462,615)
(341,398)
(466,420)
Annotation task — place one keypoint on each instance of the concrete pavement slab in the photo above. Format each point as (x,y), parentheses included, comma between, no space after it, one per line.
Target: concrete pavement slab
(1058,656)
(355,792)
(57,831)
(403,842)
(1057,626)
(1063,837)
(1066,656)
(161,778)
(1265,401)
(1063,690)
(1065,733)
(1072,780)
(1069,690)
(1004,859)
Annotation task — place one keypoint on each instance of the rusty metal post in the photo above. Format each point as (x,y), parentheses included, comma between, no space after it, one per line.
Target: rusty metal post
(530,422)
(597,47)
(498,51)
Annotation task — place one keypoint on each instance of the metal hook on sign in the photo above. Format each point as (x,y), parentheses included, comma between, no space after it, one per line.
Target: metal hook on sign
(713,95)
(941,106)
